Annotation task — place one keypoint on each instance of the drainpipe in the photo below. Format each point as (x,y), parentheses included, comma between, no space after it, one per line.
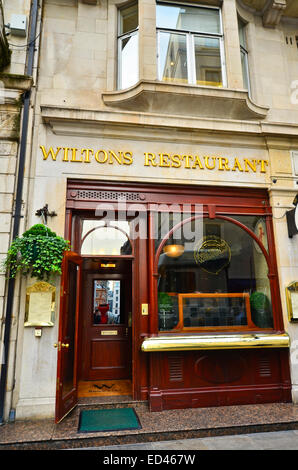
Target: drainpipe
(18,204)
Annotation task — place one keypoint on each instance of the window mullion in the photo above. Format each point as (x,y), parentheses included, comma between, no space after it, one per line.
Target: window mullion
(191,69)
(223,63)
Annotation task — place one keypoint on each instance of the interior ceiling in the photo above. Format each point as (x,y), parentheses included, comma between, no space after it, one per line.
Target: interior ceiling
(291,9)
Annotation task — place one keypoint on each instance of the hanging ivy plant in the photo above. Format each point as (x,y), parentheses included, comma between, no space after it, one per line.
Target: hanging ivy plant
(38,252)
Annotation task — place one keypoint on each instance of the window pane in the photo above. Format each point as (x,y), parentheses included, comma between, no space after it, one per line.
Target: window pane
(208,61)
(129,19)
(244,69)
(129,61)
(106,302)
(218,279)
(188,18)
(241,28)
(102,240)
(172,57)
(214,310)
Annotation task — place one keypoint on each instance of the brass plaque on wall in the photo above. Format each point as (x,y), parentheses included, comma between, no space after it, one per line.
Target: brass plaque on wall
(292,301)
(40,304)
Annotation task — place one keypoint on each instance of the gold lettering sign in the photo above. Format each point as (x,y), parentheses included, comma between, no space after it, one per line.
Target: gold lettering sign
(188,161)
(212,253)
(40,305)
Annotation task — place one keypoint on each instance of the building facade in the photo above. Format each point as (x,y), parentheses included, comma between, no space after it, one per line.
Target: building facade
(164,137)
(17,79)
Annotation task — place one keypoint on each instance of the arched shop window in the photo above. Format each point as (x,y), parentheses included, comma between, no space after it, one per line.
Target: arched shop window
(212,274)
(100,238)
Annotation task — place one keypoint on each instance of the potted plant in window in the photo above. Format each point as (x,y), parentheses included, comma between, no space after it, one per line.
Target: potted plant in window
(167,316)
(260,310)
(38,252)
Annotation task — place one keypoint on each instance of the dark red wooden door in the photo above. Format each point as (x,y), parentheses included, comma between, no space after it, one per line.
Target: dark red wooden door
(66,392)
(106,351)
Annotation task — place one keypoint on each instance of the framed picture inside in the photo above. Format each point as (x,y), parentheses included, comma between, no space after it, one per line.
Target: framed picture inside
(214,311)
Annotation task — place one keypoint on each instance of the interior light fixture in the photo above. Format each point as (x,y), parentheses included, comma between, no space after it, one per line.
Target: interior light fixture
(174,251)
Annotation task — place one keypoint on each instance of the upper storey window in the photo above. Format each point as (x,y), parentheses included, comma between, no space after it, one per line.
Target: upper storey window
(244,54)
(128,67)
(190,45)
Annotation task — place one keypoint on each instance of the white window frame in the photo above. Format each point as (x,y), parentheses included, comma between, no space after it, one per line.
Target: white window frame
(190,47)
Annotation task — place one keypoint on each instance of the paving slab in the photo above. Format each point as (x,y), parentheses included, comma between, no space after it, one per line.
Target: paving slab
(170,426)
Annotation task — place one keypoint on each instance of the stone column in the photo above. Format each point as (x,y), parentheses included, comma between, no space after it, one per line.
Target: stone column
(147,40)
(232,45)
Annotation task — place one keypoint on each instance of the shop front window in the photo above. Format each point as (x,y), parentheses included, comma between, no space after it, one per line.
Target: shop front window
(190,45)
(215,279)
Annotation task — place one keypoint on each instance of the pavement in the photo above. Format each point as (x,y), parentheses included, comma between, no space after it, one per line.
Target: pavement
(265,426)
(279,440)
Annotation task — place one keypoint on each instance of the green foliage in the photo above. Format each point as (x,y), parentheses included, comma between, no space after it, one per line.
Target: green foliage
(261,310)
(258,300)
(39,252)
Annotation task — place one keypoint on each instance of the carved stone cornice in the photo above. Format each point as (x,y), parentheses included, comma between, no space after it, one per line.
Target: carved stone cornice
(273,12)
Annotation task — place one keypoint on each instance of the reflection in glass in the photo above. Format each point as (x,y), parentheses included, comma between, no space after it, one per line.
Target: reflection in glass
(189,45)
(244,54)
(204,20)
(224,260)
(99,239)
(208,61)
(128,61)
(106,302)
(218,310)
(244,65)
(128,54)
(172,57)
(128,19)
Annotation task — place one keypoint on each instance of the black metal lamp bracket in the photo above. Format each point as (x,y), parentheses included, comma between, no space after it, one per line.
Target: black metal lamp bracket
(44,213)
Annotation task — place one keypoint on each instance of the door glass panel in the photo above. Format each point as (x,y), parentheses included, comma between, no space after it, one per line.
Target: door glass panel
(208,62)
(106,302)
(69,324)
(99,239)
(172,57)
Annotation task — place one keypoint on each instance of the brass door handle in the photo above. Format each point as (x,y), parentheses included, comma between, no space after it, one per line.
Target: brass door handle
(61,345)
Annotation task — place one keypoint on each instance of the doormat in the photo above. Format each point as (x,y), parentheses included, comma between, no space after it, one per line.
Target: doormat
(114,419)
(104,388)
